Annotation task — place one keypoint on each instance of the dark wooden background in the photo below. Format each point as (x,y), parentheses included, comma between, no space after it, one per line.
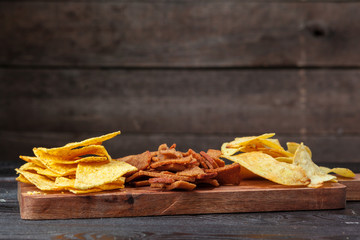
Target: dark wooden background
(196,73)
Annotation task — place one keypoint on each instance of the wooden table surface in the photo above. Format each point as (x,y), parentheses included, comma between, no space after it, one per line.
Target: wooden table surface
(328,224)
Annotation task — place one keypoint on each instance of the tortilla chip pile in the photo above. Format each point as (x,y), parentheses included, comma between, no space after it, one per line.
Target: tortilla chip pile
(170,169)
(264,156)
(79,167)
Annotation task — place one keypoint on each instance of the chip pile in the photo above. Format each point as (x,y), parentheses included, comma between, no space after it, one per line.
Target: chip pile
(168,169)
(264,156)
(79,167)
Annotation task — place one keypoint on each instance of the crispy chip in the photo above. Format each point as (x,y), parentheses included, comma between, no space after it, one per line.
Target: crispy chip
(41,182)
(317,177)
(293,146)
(91,175)
(239,142)
(267,167)
(344,172)
(69,154)
(43,171)
(87,142)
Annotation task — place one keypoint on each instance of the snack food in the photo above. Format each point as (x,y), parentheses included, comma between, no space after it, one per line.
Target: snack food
(169,169)
(79,167)
(264,156)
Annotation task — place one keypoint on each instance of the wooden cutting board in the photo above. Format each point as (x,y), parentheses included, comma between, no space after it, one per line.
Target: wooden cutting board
(249,196)
(352,187)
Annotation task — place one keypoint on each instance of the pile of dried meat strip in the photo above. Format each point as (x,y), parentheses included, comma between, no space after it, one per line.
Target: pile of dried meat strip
(169,169)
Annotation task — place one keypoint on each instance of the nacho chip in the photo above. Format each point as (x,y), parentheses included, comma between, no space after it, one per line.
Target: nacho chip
(90,175)
(42,171)
(267,167)
(74,145)
(34,160)
(41,182)
(68,155)
(317,177)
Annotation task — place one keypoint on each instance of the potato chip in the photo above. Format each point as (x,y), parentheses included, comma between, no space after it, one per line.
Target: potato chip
(238,142)
(41,182)
(344,172)
(228,151)
(267,167)
(293,146)
(61,169)
(317,177)
(90,175)
(285,159)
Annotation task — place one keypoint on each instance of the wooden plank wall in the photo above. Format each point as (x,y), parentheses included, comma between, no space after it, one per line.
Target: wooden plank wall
(196,73)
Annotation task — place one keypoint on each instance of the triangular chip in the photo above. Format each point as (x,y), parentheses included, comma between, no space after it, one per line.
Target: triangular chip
(90,175)
(41,182)
(87,142)
(64,155)
(303,159)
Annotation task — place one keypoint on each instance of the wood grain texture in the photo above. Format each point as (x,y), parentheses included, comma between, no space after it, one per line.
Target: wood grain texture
(179,33)
(249,196)
(314,102)
(325,224)
(352,187)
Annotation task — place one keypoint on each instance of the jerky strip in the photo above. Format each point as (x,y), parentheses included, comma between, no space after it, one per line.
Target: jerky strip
(209,159)
(181,185)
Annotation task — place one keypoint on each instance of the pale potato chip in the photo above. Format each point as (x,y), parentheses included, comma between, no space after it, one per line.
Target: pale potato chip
(238,142)
(228,151)
(285,159)
(293,146)
(41,182)
(267,167)
(317,177)
(344,172)
(91,175)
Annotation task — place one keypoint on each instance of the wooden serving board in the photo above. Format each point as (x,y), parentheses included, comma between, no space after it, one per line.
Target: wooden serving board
(249,196)
(352,187)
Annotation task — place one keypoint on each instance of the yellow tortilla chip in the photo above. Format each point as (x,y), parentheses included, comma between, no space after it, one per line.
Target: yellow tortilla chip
(41,182)
(43,171)
(59,160)
(23,179)
(91,175)
(61,169)
(267,167)
(68,155)
(317,177)
(34,160)
(87,142)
